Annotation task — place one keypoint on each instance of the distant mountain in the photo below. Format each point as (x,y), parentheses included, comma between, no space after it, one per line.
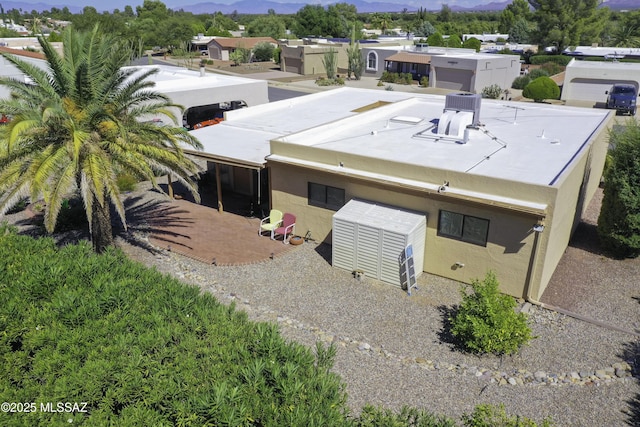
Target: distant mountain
(254,7)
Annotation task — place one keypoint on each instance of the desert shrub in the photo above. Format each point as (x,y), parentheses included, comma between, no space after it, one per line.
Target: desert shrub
(380,84)
(538,72)
(424,81)
(619,220)
(375,416)
(141,348)
(389,88)
(389,77)
(558,59)
(492,92)
(541,88)
(520,82)
(486,415)
(263,52)
(486,322)
(337,81)
(407,78)
(552,68)
(126,182)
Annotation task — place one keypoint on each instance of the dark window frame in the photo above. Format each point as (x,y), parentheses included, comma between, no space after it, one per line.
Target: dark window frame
(462,219)
(325,200)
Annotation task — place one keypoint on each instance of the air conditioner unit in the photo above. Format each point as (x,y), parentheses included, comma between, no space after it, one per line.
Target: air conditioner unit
(470,102)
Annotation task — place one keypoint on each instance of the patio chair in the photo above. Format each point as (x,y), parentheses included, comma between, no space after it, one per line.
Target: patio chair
(270,223)
(288,227)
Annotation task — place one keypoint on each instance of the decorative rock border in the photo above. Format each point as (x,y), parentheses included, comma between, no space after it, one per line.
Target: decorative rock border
(621,371)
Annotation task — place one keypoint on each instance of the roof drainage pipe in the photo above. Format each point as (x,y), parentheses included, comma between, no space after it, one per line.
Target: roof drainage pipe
(531,300)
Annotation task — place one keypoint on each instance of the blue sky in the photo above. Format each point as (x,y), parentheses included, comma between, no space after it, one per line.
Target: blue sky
(101,5)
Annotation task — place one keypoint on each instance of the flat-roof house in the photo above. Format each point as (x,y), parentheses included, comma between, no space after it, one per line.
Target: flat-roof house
(500,185)
(589,80)
(221,47)
(473,72)
(206,96)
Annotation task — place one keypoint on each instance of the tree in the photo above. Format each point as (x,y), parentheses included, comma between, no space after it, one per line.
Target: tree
(619,220)
(519,32)
(267,26)
(263,51)
(561,23)
(541,88)
(446,14)
(425,29)
(240,55)
(435,39)
(80,124)
(472,43)
(311,20)
(341,17)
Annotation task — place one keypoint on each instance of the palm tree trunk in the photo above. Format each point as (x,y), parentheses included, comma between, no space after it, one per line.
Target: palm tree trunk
(101,231)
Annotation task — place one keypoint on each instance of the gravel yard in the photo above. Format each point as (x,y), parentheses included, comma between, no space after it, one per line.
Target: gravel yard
(393,349)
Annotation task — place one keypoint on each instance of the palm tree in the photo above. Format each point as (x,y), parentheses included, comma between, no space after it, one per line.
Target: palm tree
(74,127)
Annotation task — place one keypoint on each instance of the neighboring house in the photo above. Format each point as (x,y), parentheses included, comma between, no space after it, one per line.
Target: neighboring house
(473,72)
(9,70)
(308,59)
(206,96)
(485,37)
(588,81)
(306,56)
(603,52)
(498,185)
(417,64)
(221,47)
(200,43)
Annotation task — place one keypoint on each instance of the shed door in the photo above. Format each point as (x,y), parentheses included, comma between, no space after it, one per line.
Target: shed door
(344,244)
(368,250)
(454,79)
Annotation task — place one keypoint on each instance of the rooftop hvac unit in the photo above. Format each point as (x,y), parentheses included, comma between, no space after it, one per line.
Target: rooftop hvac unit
(464,102)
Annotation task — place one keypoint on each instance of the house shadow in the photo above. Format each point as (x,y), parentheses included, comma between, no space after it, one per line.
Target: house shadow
(586,238)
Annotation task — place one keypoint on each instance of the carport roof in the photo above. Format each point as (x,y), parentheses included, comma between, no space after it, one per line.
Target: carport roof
(414,58)
(243,138)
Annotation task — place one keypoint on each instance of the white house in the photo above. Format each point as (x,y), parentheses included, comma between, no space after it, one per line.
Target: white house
(588,81)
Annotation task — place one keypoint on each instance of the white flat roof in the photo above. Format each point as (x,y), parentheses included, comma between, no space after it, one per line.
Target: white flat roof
(604,65)
(524,142)
(245,134)
(175,79)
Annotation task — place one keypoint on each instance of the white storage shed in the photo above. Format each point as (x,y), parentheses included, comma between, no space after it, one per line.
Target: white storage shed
(370,237)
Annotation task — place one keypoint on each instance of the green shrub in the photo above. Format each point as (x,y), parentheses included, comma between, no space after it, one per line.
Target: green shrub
(619,220)
(495,416)
(541,88)
(552,68)
(520,82)
(407,78)
(389,77)
(380,84)
(492,92)
(558,59)
(538,72)
(144,349)
(486,322)
(126,182)
(337,81)
(424,81)
(375,416)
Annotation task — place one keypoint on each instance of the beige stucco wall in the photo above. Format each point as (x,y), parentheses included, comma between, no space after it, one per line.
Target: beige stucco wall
(312,56)
(510,238)
(575,191)
(522,264)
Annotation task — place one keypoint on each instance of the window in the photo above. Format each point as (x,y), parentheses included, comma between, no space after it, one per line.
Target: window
(463,227)
(324,196)
(372,61)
